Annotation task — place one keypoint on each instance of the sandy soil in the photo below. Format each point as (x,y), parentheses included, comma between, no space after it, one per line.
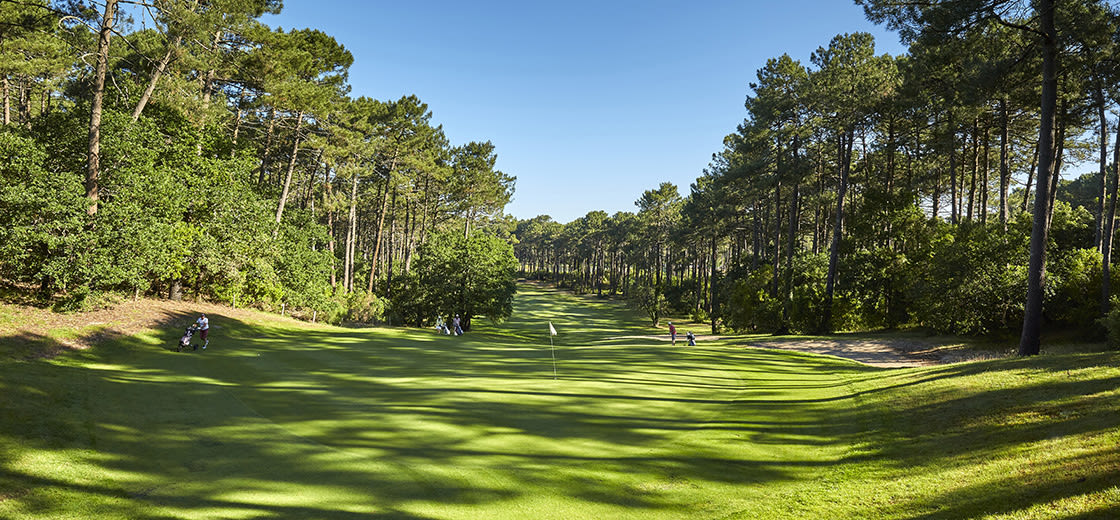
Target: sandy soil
(32,332)
(887,352)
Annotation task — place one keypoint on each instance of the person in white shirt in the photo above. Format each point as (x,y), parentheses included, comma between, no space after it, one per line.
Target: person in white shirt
(203,326)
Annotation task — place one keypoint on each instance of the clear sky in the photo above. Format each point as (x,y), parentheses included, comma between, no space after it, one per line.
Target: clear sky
(588,103)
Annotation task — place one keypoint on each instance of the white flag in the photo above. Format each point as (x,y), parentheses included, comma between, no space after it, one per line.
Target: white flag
(551,329)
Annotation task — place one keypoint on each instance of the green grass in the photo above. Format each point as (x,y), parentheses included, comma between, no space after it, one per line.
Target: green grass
(277,420)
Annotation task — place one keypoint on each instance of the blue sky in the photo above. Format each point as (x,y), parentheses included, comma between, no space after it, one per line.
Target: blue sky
(588,103)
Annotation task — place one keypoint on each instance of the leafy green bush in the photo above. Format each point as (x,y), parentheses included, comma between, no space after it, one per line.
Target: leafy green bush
(807,303)
(971,282)
(647,299)
(364,307)
(1111,323)
(874,285)
(1074,278)
(748,305)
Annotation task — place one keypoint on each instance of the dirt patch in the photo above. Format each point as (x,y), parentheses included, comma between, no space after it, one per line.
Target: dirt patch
(885,352)
(33,332)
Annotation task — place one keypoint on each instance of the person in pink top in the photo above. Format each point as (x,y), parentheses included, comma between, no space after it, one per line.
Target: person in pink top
(673,333)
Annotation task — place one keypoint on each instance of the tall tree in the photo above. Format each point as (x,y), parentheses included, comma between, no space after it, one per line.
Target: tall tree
(93,157)
(936,20)
(850,82)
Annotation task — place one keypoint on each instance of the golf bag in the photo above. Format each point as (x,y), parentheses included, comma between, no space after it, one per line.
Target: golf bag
(185,341)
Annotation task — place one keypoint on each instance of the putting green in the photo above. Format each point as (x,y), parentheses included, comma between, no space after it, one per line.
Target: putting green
(283,421)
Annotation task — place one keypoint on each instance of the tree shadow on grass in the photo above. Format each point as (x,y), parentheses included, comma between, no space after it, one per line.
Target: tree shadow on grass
(274,422)
(1058,417)
(378,417)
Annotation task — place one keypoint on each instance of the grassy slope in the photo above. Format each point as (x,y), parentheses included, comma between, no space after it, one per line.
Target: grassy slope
(278,420)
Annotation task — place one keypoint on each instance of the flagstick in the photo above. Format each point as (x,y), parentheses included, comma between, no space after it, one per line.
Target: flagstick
(553,356)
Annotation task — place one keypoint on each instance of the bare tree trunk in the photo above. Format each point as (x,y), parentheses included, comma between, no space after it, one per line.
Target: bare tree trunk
(1031,338)
(954,210)
(156,74)
(94,156)
(309,197)
(819,171)
(984,180)
(236,132)
(975,168)
(266,153)
(237,122)
(776,266)
(211,75)
(25,102)
(410,230)
(1030,179)
(787,300)
(288,176)
(381,222)
(389,250)
(1004,166)
(7,102)
(327,198)
(1110,230)
(712,285)
(1059,152)
(838,230)
(351,235)
(208,91)
(1103,185)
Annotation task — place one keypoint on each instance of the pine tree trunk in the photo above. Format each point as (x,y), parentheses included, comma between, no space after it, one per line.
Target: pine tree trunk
(392,234)
(787,301)
(1103,185)
(156,74)
(351,235)
(1031,338)
(712,285)
(975,169)
(237,123)
(1030,180)
(266,154)
(954,210)
(380,229)
(776,265)
(1059,152)
(838,230)
(1110,230)
(25,102)
(93,163)
(288,175)
(1004,166)
(327,197)
(7,102)
(984,169)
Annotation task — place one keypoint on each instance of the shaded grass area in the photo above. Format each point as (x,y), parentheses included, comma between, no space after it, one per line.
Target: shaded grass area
(282,421)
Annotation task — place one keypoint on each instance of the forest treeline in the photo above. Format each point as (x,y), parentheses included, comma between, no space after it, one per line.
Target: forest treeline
(201,153)
(864,190)
(184,148)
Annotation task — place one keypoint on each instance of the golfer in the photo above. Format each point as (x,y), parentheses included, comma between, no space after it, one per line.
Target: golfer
(673,333)
(203,326)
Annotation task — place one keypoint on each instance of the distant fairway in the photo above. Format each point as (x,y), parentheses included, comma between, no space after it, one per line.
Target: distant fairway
(279,420)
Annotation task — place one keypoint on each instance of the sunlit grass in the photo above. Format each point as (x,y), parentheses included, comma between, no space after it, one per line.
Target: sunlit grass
(280,420)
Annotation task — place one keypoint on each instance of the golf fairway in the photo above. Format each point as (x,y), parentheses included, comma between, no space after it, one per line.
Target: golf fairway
(280,420)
